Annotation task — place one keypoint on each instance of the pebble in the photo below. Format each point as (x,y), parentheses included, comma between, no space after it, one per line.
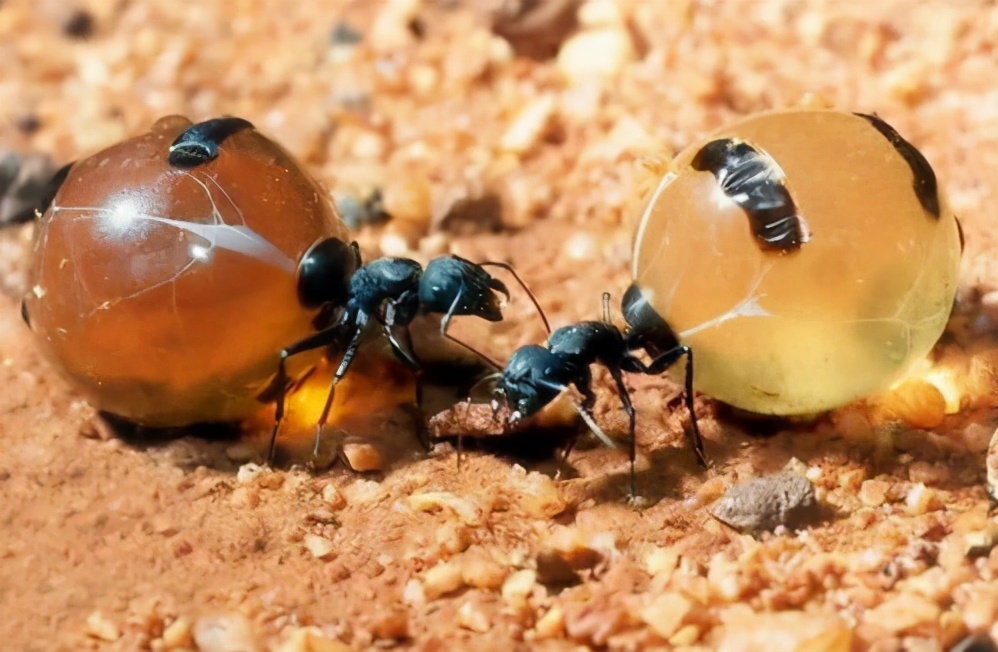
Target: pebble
(363,456)
(539,496)
(99,627)
(471,616)
(922,500)
(767,502)
(445,577)
(247,473)
(480,572)
(310,639)
(319,547)
(529,125)
(905,614)
(469,509)
(178,634)
(224,633)
(991,463)
(595,53)
(873,493)
(333,497)
(551,624)
(518,586)
(667,614)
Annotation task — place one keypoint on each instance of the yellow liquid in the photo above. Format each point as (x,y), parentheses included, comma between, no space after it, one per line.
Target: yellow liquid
(800,332)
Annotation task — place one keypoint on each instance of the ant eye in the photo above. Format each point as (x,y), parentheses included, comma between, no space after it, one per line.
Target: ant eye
(325,271)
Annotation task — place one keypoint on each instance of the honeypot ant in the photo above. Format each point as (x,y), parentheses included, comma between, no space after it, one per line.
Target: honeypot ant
(392,292)
(535,374)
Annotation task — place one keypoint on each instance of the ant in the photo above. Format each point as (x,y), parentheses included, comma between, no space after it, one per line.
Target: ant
(392,292)
(535,374)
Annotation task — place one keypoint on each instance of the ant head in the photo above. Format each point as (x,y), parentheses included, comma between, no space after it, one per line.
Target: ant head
(527,384)
(325,271)
(645,327)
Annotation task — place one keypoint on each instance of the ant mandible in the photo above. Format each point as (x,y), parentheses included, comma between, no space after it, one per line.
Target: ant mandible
(535,374)
(392,292)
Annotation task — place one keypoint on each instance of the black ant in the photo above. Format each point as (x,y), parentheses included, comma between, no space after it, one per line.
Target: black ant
(391,292)
(535,375)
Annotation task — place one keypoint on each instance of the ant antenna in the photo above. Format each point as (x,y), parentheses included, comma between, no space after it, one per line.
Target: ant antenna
(533,299)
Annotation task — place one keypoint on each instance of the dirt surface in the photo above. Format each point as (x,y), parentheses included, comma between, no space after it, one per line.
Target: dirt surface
(502,130)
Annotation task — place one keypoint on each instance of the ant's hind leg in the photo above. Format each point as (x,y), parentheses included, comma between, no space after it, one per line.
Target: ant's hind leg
(323,338)
(408,357)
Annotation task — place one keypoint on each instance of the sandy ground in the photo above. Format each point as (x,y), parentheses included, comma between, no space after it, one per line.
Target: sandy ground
(457,110)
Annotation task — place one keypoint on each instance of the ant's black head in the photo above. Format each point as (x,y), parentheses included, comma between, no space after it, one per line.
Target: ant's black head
(646,328)
(325,271)
(533,378)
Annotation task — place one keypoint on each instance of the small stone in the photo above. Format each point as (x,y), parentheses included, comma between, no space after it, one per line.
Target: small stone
(247,473)
(600,52)
(905,614)
(551,624)
(667,613)
(363,457)
(361,492)
(319,547)
(393,244)
(744,630)
(518,586)
(688,635)
(764,503)
(529,125)
(539,496)
(873,493)
(101,628)
(310,639)
(413,594)
(391,626)
(240,452)
(661,561)
(991,463)
(178,634)
(470,616)
(225,633)
(922,500)
(247,497)
(980,542)
(481,572)
(333,497)
(467,508)
(442,579)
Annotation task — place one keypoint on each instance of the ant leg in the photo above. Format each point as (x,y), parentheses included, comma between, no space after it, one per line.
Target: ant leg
(533,299)
(408,357)
(341,371)
(625,398)
(585,410)
(445,324)
(323,338)
(663,362)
